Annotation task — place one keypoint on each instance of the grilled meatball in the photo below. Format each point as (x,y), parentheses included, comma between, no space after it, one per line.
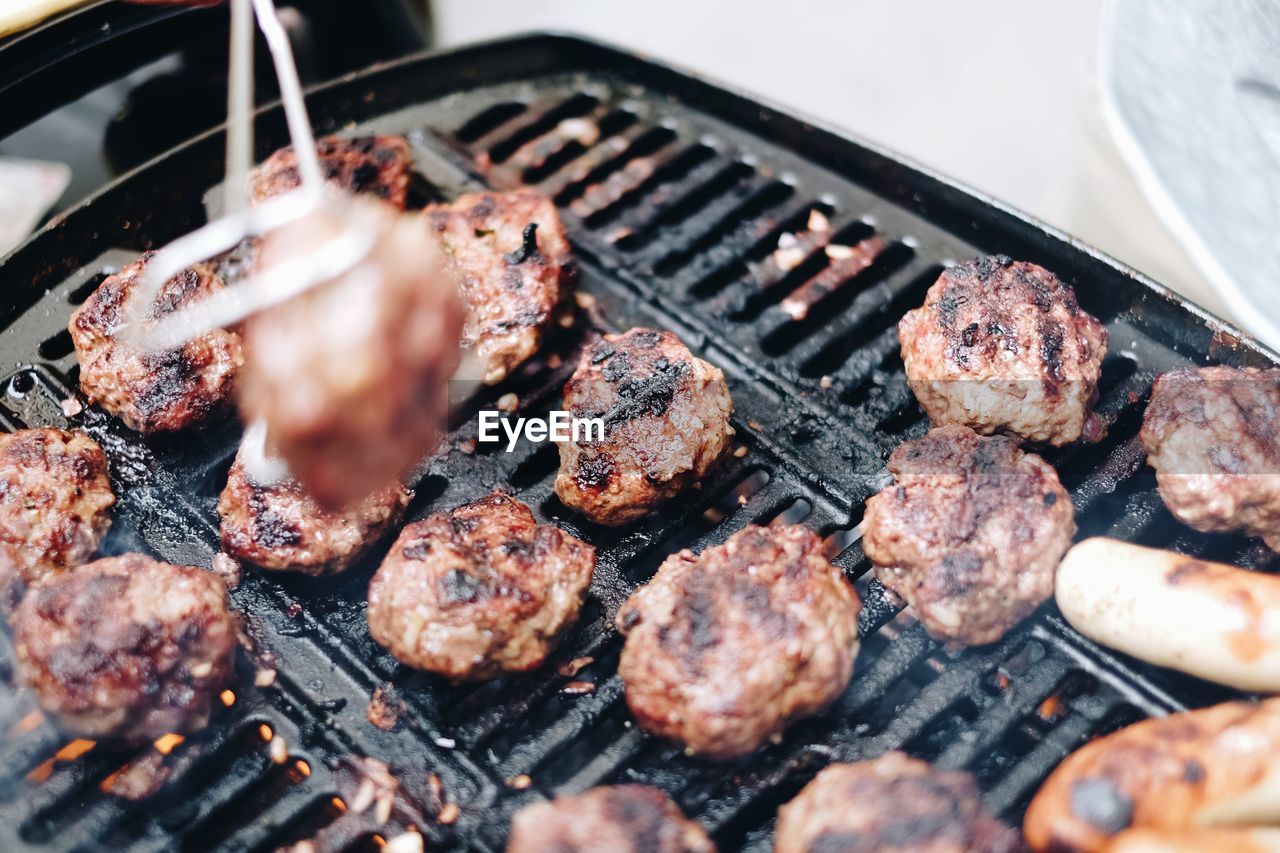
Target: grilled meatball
(478,590)
(971,533)
(893,803)
(511,250)
(126,647)
(666,421)
(279,526)
(608,819)
(351,376)
(368,165)
(1210,433)
(172,390)
(1002,346)
(54,502)
(727,647)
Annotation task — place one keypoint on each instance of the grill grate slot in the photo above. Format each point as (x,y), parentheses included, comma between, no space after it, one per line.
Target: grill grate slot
(830,293)
(573,107)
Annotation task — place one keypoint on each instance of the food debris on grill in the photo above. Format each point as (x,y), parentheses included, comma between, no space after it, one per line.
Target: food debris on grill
(893,804)
(511,251)
(617,818)
(666,422)
(479,590)
(279,526)
(1002,346)
(725,648)
(55,500)
(139,778)
(351,376)
(571,668)
(1211,434)
(373,800)
(161,392)
(365,165)
(970,532)
(126,647)
(386,706)
(227,568)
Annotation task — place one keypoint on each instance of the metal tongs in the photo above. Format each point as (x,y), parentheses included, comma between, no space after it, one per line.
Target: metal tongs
(239,221)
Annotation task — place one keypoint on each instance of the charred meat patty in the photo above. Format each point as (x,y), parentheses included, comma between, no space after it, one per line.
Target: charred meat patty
(608,819)
(1211,434)
(1003,346)
(893,804)
(279,526)
(479,590)
(511,253)
(160,392)
(666,422)
(970,534)
(726,647)
(126,647)
(364,165)
(351,377)
(54,503)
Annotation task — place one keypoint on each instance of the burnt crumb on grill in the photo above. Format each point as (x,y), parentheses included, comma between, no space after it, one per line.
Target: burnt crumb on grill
(970,534)
(1002,346)
(55,500)
(893,804)
(374,800)
(279,526)
(479,590)
(726,648)
(351,377)
(511,252)
(386,706)
(365,165)
(616,818)
(1210,433)
(126,647)
(666,423)
(172,390)
(138,779)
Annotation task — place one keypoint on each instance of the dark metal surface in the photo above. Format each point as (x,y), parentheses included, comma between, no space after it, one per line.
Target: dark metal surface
(672,211)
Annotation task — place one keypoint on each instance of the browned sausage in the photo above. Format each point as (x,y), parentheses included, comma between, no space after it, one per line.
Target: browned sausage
(1207,768)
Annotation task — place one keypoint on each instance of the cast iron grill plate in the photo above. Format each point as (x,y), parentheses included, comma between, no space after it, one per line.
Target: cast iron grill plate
(675,193)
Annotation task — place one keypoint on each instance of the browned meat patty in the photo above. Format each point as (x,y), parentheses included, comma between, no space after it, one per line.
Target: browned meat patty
(893,804)
(280,526)
(511,251)
(608,819)
(725,648)
(366,165)
(666,422)
(1002,346)
(478,590)
(166,391)
(1211,434)
(971,533)
(351,376)
(126,647)
(54,503)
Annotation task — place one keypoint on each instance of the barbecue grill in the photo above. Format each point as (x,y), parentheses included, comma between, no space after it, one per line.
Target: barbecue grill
(675,193)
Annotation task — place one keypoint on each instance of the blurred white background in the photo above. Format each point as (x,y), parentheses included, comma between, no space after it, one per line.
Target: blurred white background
(1001,94)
